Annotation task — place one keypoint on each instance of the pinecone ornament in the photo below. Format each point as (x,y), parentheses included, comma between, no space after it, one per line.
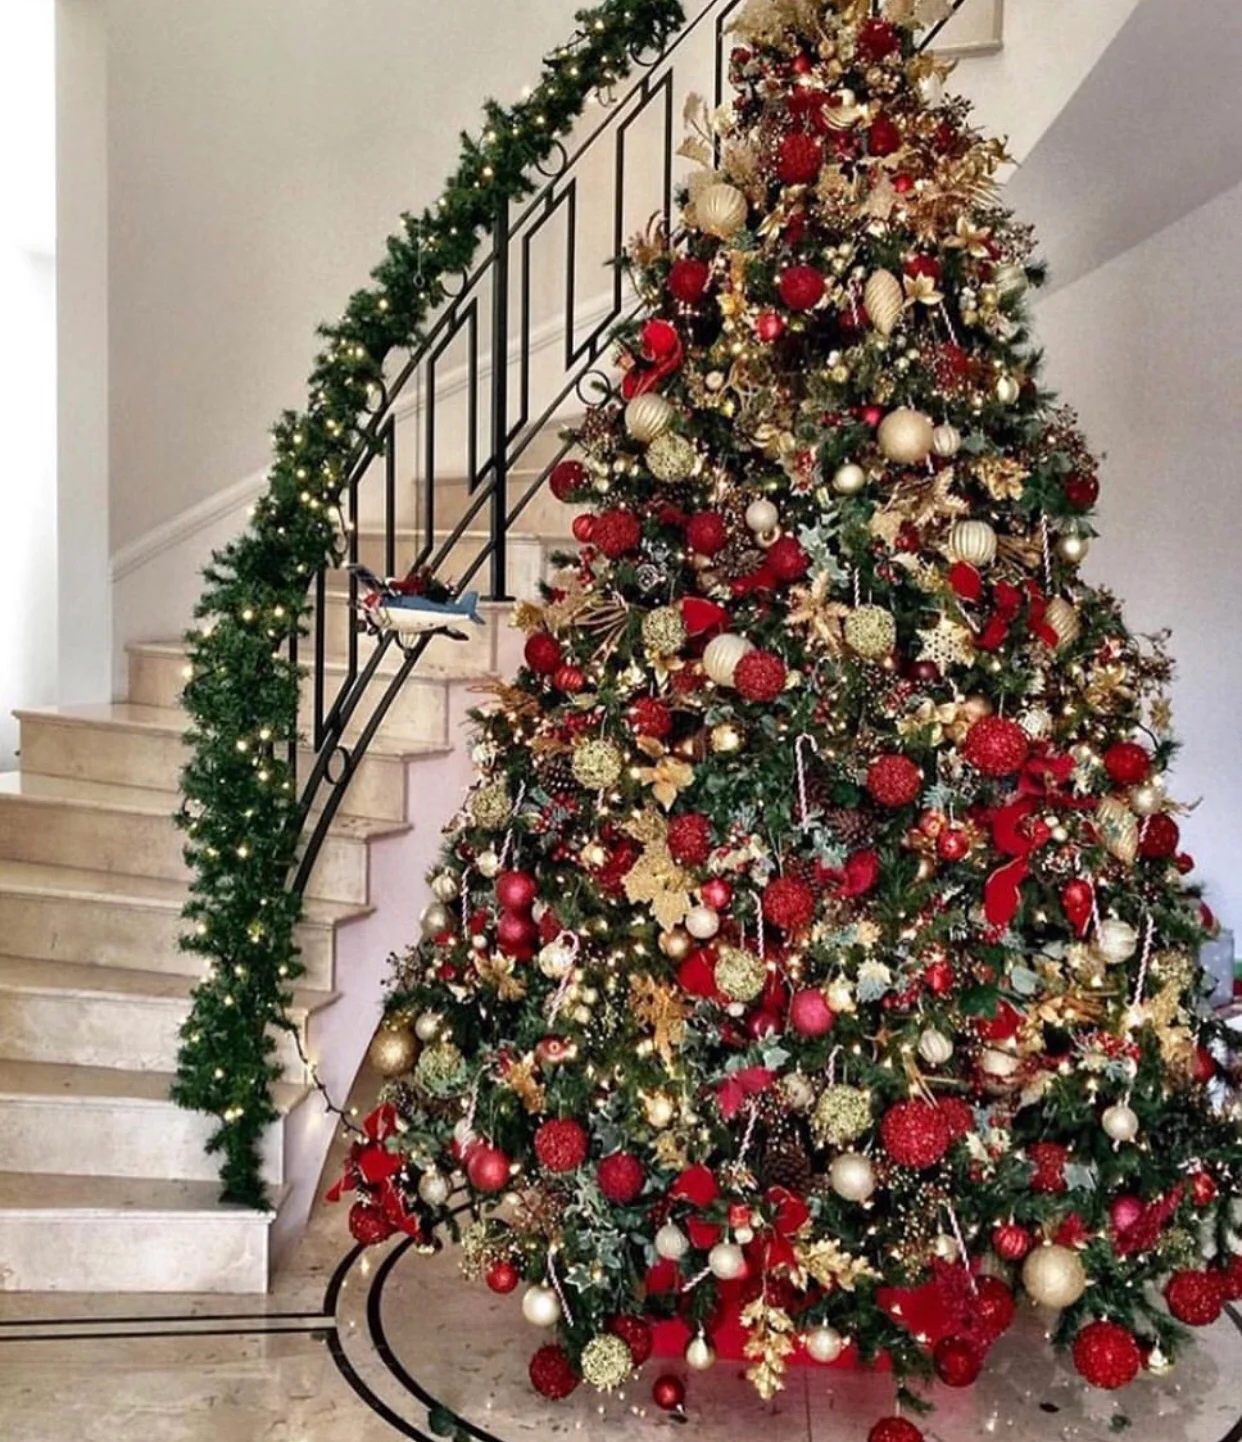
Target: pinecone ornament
(556,774)
(786,1163)
(848,825)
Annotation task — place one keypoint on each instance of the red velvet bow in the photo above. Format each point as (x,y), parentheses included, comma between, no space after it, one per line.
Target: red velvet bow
(732,1093)
(661,353)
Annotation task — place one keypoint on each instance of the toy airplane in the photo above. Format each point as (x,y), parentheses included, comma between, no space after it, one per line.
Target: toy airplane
(384,606)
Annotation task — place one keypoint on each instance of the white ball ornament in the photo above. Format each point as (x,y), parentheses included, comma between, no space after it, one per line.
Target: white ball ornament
(720,210)
(852,1176)
(849,480)
(973,542)
(428,1025)
(540,1306)
(433,1187)
(727,1261)
(702,922)
(946,441)
(487,864)
(700,1354)
(1054,1276)
(1120,1122)
(722,655)
(648,416)
(762,516)
(934,1047)
(905,436)
(1116,941)
(824,1344)
(1147,799)
(671,1242)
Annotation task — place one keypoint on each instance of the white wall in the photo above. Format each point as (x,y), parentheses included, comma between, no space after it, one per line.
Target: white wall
(1146,349)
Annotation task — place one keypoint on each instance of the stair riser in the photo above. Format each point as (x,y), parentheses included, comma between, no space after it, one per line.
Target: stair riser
(133,1033)
(122,1251)
(105,933)
(527,560)
(50,1136)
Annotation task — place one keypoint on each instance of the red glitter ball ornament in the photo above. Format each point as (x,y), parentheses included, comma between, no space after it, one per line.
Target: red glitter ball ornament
(561,1145)
(787,560)
(488,1169)
(1127,763)
(1125,1212)
(707,533)
(883,138)
(1011,1242)
(958,1114)
(543,653)
(1081,492)
(616,533)
(1107,1355)
(650,717)
(958,1361)
(799,159)
(915,1133)
(621,1177)
(1159,836)
(1195,1297)
(568,478)
(810,1014)
(1049,1160)
(996,746)
(894,780)
(895,1429)
(668,1393)
(516,890)
(552,1374)
(769,326)
(369,1225)
(801,287)
(690,839)
(636,1335)
(788,903)
(877,40)
(1203,1189)
(1231,1279)
(994,1306)
(759,676)
(687,280)
(503,1277)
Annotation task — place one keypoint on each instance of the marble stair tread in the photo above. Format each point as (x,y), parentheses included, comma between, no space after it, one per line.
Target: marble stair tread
(104,1086)
(37,1195)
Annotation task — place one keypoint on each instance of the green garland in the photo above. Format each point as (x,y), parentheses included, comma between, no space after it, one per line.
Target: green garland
(240,810)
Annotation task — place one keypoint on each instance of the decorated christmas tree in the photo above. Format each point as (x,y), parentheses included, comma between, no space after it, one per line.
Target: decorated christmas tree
(811,971)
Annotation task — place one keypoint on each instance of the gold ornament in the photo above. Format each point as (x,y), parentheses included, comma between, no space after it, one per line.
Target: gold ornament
(1054,1276)
(445,886)
(1003,478)
(655,878)
(661,1009)
(648,416)
(946,441)
(870,632)
(905,436)
(596,765)
(722,655)
(491,806)
(675,944)
(393,1051)
(740,974)
(973,542)
(606,1361)
(1073,548)
(440,1068)
(1010,279)
(842,1114)
(1064,621)
(1118,828)
(849,480)
(435,918)
(667,778)
(726,738)
(671,458)
(719,209)
(852,1176)
(884,300)
(664,631)
(1008,389)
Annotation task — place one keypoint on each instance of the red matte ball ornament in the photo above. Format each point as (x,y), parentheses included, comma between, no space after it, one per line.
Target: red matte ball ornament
(488,1169)
(958,1361)
(687,280)
(568,479)
(668,1393)
(516,890)
(543,653)
(801,287)
(636,1335)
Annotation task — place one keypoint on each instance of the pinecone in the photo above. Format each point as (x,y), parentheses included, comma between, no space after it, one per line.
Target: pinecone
(786,1164)
(846,823)
(556,774)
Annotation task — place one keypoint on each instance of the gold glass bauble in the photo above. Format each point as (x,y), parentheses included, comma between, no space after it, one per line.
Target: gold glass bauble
(720,209)
(393,1051)
(648,416)
(1054,1276)
(905,436)
(726,738)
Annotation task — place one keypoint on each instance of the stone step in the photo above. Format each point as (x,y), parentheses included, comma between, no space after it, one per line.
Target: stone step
(98,918)
(141,746)
(100,1016)
(130,830)
(122,1234)
(101,1121)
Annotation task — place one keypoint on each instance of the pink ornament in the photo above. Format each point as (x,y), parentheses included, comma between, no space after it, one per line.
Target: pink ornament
(1125,1212)
(716,893)
(488,1169)
(810,1014)
(516,890)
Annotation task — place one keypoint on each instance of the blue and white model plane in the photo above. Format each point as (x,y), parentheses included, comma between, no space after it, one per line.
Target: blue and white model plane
(386,606)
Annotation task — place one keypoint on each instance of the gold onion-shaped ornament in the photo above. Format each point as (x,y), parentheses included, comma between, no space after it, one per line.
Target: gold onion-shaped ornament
(722,655)
(648,416)
(905,436)
(1064,621)
(720,209)
(870,632)
(973,542)
(885,300)
(1119,829)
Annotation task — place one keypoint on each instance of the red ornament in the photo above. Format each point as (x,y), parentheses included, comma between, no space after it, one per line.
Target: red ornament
(687,280)
(810,1014)
(1011,1242)
(1159,836)
(894,780)
(503,1277)
(1203,1189)
(616,533)
(1205,1066)
(958,1361)
(787,560)
(668,1393)
(650,717)
(769,326)
(1049,1160)
(994,1306)
(516,935)
(552,1374)
(1077,901)
(570,679)
(568,479)
(883,138)
(561,1145)
(759,676)
(1127,763)
(368,1224)
(621,1177)
(707,533)
(583,528)
(762,1023)
(488,1169)
(996,747)
(1231,1279)
(877,40)
(690,839)
(799,159)
(1125,1212)
(1195,1297)
(543,653)
(1107,1355)
(636,1335)
(516,890)
(1081,492)
(788,903)
(915,1133)
(924,265)
(801,287)
(895,1429)
(953,844)
(716,893)
(958,1114)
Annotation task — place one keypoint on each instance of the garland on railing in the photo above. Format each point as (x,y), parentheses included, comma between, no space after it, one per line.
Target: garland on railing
(241,811)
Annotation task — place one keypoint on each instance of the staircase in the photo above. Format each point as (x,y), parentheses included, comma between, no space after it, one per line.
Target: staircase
(105,1185)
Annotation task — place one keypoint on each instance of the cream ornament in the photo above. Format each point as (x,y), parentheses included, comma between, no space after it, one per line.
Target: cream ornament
(1147,799)
(1007,390)
(700,1354)
(435,918)
(541,1307)
(671,1242)
(445,886)
(556,960)
(722,655)
(946,441)
(427,1026)
(762,516)
(487,864)
(973,542)
(905,436)
(433,1188)
(1064,621)
(1119,829)
(885,300)
(726,1261)
(998,1063)
(849,480)
(1054,1276)
(1073,548)
(934,1047)
(824,1344)
(720,210)
(648,416)
(702,922)
(1120,1122)
(659,1111)
(870,632)
(1010,279)
(1116,941)
(852,1177)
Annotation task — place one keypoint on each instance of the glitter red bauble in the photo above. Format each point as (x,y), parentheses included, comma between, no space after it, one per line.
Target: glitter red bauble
(1081,492)
(503,1277)
(994,1306)
(787,560)
(799,159)
(636,1335)
(1203,1188)
(1124,1212)
(810,1014)
(1159,836)
(1230,1276)
(1107,1355)
(543,653)
(707,533)
(488,1169)
(883,138)
(996,746)
(561,1145)
(567,479)
(877,39)
(716,893)
(759,676)
(769,326)
(1011,1242)
(516,934)
(1195,1297)
(958,1361)
(788,903)
(690,839)
(915,1133)
(801,287)
(1049,1160)
(621,1177)
(649,717)
(894,780)
(895,1429)
(516,890)
(668,1393)
(956,1111)
(616,533)
(369,1225)
(953,844)
(687,280)
(569,678)
(1127,763)
(552,1374)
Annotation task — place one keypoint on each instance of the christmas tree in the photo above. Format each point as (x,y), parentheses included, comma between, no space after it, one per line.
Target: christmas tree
(812,967)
